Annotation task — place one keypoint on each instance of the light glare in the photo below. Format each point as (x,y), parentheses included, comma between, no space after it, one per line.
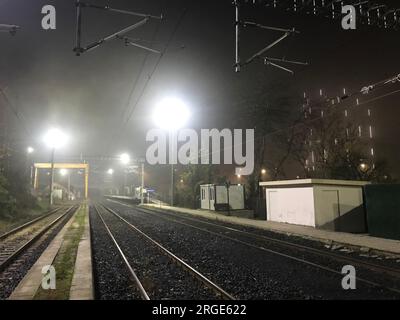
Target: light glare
(55,138)
(125,158)
(171,114)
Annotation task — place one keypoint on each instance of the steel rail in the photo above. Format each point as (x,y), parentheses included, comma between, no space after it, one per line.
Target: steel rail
(139,285)
(304,261)
(176,259)
(371,266)
(27,244)
(29,223)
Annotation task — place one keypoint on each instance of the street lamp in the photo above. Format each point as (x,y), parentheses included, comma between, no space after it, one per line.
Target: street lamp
(171,114)
(110,172)
(125,158)
(363,167)
(29,166)
(54,139)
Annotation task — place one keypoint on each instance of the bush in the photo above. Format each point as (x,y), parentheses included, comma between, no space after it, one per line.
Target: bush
(8,205)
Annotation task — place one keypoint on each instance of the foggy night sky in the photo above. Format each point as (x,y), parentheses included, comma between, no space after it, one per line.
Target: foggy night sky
(87,95)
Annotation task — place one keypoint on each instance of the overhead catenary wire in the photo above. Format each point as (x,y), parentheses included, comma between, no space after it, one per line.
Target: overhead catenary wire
(155,68)
(204,153)
(270,134)
(9,28)
(16,113)
(240,24)
(80,4)
(136,81)
(370,12)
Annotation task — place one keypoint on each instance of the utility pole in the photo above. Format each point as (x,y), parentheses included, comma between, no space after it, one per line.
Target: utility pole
(142,188)
(237,36)
(52,175)
(228,184)
(172,184)
(124,193)
(69,186)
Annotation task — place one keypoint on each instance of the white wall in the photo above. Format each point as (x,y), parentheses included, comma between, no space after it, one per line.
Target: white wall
(204,197)
(236,197)
(222,194)
(326,206)
(291,205)
(334,202)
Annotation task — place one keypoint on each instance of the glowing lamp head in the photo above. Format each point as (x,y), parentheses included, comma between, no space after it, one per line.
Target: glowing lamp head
(125,158)
(110,172)
(30,150)
(55,139)
(364,167)
(63,172)
(171,114)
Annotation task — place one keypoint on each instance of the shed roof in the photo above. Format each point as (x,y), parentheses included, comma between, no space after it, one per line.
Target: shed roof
(302,182)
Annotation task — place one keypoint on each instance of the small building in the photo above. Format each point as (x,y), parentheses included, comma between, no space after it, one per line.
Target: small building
(336,205)
(219,197)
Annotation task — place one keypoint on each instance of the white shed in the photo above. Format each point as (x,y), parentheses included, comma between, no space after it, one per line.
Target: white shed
(212,195)
(327,204)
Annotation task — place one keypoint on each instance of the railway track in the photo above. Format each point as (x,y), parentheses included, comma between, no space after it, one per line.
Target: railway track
(224,231)
(17,241)
(192,272)
(354,261)
(27,224)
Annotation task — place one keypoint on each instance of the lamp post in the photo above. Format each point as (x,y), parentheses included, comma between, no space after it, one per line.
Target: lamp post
(171,114)
(125,159)
(110,173)
(54,139)
(142,182)
(29,166)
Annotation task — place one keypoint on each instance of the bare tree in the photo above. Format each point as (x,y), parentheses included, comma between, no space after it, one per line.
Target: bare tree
(268,108)
(330,147)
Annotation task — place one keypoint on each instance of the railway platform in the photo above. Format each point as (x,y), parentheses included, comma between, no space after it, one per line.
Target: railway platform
(360,241)
(74,236)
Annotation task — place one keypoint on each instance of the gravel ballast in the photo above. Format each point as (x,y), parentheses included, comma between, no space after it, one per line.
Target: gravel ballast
(162,279)
(249,273)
